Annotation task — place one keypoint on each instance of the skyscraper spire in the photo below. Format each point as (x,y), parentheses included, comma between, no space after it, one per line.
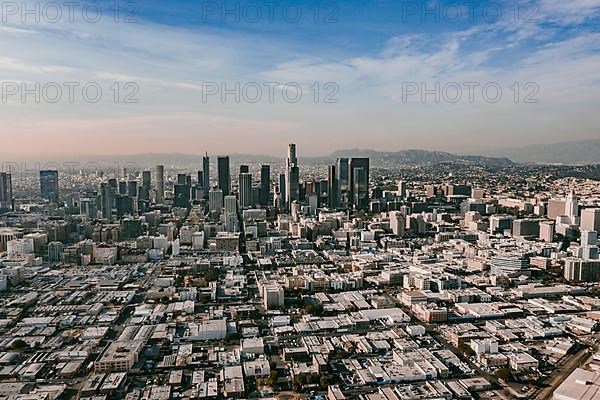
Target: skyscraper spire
(292,177)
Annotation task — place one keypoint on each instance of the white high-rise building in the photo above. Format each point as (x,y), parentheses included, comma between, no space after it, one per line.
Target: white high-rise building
(547,231)
(20,248)
(397,223)
(273,295)
(589,245)
(572,208)
(402,189)
(198,240)
(590,219)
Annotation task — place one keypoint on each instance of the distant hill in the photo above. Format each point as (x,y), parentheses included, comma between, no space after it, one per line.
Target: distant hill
(571,152)
(378,158)
(381,158)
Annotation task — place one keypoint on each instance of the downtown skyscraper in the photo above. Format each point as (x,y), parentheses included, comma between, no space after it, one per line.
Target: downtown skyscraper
(343,182)
(6,195)
(292,177)
(332,187)
(159,184)
(265,185)
(206,174)
(359,182)
(223,175)
(352,182)
(245,189)
(49,185)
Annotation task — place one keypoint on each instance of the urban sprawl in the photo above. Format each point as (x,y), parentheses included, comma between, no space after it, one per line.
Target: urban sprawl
(291,280)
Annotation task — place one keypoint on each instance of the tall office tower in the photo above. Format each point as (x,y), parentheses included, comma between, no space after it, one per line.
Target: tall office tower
(114,184)
(123,187)
(215,200)
(143,199)
(123,205)
(255,195)
(282,190)
(292,177)
(590,219)
(397,223)
(343,181)
(132,188)
(49,185)
(181,196)
(555,208)
(265,185)
(332,187)
(589,245)
(402,189)
(182,191)
(244,169)
(224,178)
(310,187)
(360,188)
(144,190)
(572,208)
(245,187)
(206,174)
(6,197)
(547,230)
(107,199)
(589,238)
(159,184)
(359,182)
(201,179)
(231,204)
(147,180)
(88,207)
(313,203)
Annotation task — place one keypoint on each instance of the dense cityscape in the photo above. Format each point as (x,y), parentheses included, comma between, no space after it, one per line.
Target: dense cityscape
(433,280)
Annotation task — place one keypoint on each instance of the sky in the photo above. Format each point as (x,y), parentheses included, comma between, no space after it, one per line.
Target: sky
(194,76)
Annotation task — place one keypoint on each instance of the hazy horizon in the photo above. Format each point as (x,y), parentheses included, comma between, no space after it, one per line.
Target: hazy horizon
(495,152)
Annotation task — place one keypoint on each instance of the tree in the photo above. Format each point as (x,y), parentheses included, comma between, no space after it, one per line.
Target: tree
(466,350)
(273,378)
(19,345)
(327,380)
(232,337)
(313,309)
(505,374)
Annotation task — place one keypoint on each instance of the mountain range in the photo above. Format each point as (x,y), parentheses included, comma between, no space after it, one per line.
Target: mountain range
(570,153)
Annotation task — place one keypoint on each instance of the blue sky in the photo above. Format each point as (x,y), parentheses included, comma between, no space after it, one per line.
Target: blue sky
(367,56)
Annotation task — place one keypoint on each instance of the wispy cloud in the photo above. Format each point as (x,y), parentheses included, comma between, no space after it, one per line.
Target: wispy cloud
(557,48)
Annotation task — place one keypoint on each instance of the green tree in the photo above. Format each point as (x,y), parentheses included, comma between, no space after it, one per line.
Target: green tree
(313,309)
(505,374)
(19,345)
(232,337)
(273,378)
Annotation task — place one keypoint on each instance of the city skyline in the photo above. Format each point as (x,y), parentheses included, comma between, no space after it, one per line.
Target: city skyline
(299,199)
(453,279)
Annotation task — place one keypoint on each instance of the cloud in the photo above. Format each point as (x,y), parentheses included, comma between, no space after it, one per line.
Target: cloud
(171,62)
